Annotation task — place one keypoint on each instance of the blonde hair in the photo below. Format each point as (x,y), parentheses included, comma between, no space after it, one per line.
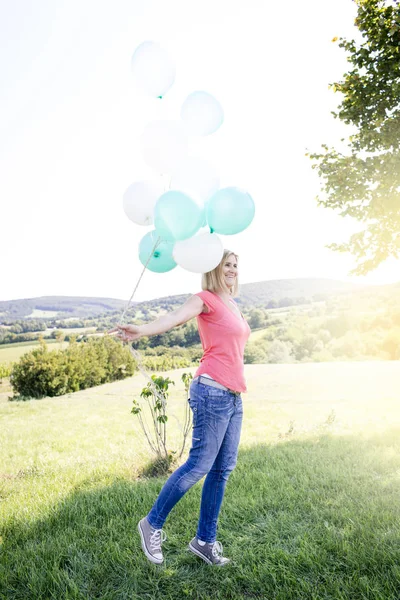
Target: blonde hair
(214,281)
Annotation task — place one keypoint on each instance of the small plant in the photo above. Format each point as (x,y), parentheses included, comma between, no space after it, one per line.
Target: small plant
(331,417)
(5,371)
(289,432)
(156,393)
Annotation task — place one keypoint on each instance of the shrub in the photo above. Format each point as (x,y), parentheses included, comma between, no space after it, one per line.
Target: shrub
(255,353)
(166,363)
(42,373)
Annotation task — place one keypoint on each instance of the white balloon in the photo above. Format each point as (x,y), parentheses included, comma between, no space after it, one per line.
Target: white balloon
(200,253)
(139,200)
(153,69)
(164,145)
(195,177)
(201,113)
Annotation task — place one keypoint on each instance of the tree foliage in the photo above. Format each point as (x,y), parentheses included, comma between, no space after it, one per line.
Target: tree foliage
(363,181)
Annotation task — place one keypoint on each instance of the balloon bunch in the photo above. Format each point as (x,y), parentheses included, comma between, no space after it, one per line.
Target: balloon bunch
(188,217)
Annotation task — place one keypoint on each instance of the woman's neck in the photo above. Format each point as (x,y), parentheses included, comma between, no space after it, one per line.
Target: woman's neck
(224,295)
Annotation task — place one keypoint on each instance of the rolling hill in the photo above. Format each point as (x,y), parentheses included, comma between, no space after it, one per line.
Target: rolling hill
(58,306)
(251,294)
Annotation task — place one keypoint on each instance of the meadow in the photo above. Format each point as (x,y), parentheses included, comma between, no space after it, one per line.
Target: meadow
(10,353)
(310,512)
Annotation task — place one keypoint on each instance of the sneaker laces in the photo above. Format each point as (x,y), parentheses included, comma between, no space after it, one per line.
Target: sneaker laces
(217,549)
(157,537)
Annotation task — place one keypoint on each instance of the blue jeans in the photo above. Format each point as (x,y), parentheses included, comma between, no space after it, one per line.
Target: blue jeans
(217,423)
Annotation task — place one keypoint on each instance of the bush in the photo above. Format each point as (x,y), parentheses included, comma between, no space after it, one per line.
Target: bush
(166,363)
(255,353)
(42,373)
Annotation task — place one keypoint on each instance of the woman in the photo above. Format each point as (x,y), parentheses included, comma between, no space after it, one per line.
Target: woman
(216,405)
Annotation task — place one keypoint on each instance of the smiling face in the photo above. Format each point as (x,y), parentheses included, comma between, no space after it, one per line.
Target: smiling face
(230,271)
(224,278)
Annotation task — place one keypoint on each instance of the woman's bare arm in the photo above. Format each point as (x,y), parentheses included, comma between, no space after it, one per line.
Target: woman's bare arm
(190,309)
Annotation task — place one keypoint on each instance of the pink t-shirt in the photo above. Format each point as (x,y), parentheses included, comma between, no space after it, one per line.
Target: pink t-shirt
(223,336)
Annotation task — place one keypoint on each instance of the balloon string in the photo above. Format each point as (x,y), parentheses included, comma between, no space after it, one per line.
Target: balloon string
(139,280)
(132,350)
(166,186)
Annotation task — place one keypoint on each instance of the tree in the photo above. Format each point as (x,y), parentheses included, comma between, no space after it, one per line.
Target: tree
(364,180)
(279,352)
(306,346)
(257,318)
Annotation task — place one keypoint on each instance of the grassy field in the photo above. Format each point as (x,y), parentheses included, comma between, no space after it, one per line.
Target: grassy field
(42,314)
(12,352)
(311,510)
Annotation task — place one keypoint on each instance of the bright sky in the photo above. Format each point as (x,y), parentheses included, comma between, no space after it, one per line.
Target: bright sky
(71,121)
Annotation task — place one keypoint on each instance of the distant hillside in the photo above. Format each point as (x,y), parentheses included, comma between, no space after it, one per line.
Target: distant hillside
(260,293)
(283,292)
(263,292)
(310,289)
(58,306)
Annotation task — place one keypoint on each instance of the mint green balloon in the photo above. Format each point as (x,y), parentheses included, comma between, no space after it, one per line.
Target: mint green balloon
(177,216)
(161,261)
(229,211)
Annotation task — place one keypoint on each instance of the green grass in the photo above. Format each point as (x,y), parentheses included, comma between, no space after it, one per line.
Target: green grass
(12,352)
(42,314)
(310,512)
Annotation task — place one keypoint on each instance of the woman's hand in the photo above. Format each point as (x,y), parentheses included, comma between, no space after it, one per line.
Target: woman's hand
(127,333)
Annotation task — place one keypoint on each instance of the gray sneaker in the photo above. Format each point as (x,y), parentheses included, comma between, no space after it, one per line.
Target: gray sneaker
(210,553)
(151,541)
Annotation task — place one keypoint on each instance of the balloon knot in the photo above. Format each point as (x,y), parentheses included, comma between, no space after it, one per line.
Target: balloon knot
(156,254)
(211,230)
(159,97)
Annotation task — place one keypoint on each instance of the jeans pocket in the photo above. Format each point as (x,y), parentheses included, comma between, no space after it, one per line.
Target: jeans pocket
(193,404)
(218,400)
